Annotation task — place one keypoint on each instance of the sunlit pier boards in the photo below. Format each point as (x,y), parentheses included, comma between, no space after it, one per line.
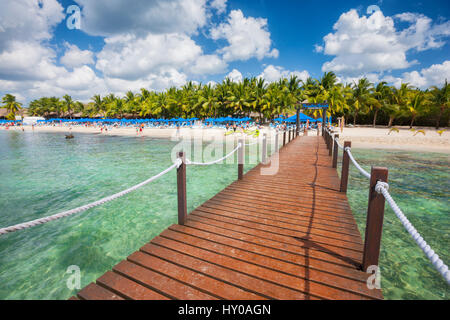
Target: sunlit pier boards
(290,235)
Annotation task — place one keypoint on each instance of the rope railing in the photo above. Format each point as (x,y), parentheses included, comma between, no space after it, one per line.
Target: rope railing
(363,172)
(382,188)
(438,264)
(189,162)
(338,144)
(91,205)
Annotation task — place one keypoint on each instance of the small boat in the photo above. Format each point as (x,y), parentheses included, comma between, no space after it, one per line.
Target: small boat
(69,136)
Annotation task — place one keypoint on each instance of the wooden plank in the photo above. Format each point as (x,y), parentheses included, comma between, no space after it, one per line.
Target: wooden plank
(245,281)
(94,292)
(127,288)
(270,251)
(307,286)
(159,282)
(172,239)
(201,282)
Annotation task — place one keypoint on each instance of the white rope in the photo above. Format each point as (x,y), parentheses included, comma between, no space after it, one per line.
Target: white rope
(189,162)
(251,144)
(382,188)
(438,264)
(36,222)
(338,144)
(363,172)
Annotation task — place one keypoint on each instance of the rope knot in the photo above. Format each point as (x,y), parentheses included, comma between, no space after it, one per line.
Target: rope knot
(381,185)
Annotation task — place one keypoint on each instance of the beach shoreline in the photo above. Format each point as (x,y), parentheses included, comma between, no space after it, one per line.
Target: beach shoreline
(361,137)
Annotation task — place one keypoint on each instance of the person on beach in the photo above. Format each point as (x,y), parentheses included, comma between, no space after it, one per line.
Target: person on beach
(234,127)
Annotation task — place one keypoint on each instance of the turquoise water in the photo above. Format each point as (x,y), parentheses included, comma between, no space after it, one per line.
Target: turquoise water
(420,184)
(43,174)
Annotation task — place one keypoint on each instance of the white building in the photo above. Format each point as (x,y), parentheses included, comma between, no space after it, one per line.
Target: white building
(27,121)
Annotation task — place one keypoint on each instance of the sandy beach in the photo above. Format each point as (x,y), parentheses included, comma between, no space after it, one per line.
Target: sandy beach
(361,137)
(405,139)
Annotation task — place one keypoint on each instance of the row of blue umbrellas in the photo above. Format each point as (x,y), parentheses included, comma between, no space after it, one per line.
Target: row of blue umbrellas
(9,121)
(107,120)
(303,118)
(228,119)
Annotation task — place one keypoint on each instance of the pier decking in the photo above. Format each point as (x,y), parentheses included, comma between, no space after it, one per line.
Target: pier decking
(286,236)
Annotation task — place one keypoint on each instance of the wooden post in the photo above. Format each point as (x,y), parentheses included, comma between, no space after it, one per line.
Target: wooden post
(345,167)
(264,149)
(297,124)
(330,142)
(241,160)
(335,152)
(181,187)
(375,215)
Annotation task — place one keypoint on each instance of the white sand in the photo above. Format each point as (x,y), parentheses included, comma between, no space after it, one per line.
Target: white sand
(379,138)
(361,137)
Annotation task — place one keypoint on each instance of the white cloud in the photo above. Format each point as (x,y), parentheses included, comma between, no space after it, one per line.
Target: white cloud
(435,75)
(208,64)
(235,76)
(131,58)
(422,34)
(164,79)
(247,37)
(139,17)
(23,20)
(24,26)
(274,73)
(372,77)
(27,61)
(74,57)
(369,44)
(219,5)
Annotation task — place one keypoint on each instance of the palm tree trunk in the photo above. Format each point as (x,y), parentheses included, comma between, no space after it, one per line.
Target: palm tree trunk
(412,122)
(438,121)
(391,121)
(375,118)
(354,119)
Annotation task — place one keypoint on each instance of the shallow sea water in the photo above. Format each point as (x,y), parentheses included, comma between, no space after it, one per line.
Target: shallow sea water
(43,174)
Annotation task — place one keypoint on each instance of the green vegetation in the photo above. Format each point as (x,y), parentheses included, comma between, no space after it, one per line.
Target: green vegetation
(11,105)
(361,102)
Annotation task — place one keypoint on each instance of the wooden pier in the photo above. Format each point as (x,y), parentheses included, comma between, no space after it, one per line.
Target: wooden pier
(286,236)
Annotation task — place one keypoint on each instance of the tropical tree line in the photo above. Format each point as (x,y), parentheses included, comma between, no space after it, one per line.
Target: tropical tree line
(360,102)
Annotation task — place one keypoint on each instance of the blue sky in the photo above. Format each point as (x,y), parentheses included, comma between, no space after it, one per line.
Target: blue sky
(125,45)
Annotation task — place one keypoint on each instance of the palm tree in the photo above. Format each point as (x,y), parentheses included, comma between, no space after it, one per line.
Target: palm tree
(381,95)
(361,96)
(397,102)
(98,105)
(441,99)
(68,104)
(416,105)
(11,105)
